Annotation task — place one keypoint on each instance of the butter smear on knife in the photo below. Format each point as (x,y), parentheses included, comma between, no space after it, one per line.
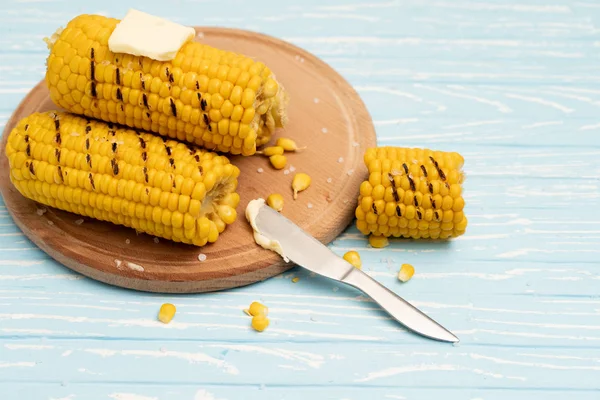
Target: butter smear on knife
(252,210)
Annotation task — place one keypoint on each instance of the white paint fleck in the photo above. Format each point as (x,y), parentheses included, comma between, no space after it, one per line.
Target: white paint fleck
(309,205)
(341,159)
(17,364)
(201,257)
(538,100)
(312,360)
(27,347)
(67,353)
(205,395)
(329,180)
(260,170)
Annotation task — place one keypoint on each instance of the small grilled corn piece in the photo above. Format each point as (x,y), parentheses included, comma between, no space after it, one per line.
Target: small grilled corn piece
(278,161)
(260,322)
(166,313)
(412,193)
(378,242)
(272,150)
(353,258)
(213,98)
(300,182)
(288,144)
(406,272)
(275,201)
(161,187)
(257,308)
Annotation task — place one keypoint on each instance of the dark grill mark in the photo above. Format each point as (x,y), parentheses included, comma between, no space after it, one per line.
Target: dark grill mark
(168,149)
(147,191)
(88,159)
(148,114)
(28,150)
(142,143)
(87,144)
(56,124)
(173,108)
(415,201)
(424,170)
(31,169)
(140,62)
(145,100)
(405,168)
(439,170)
(174,183)
(374,209)
(206,121)
(436,215)
(144,156)
(142,81)
(114,147)
(172,162)
(88,129)
(167,72)
(200,169)
(199,99)
(110,125)
(113,133)
(122,108)
(197,158)
(92,181)
(412,184)
(145,175)
(119,94)
(60,173)
(198,87)
(398,212)
(209,128)
(171,78)
(432,202)
(57,154)
(92,70)
(93,89)
(118,77)
(58,139)
(419,215)
(115,166)
(26,127)
(203,104)
(395,193)
(430,188)
(92,53)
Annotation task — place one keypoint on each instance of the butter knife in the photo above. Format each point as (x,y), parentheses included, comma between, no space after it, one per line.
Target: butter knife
(306,251)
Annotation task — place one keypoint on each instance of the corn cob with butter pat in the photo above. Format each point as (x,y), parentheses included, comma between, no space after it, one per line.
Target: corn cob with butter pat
(213,98)
(412,193)
(158,186)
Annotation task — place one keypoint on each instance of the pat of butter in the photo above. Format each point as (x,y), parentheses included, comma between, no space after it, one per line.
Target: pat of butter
(142,34)
(251,213)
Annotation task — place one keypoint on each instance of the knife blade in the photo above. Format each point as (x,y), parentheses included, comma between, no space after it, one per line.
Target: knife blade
(307,252)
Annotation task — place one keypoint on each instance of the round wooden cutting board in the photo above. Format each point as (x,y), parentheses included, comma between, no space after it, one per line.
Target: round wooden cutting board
(325,114)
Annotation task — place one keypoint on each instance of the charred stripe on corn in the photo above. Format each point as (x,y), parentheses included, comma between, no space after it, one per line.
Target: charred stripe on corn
(213,98)
(412,193)
(157,186)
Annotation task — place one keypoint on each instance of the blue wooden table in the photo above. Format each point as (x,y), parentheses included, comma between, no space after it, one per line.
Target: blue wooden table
(513,86)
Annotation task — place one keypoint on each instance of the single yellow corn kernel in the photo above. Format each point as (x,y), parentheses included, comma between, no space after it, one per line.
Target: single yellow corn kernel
(166,313)
(275,201)
(272,150)
(260,323)
(288,144)
(300,182)
(378,241)
(406,272)
(295,279)
(353,258)
(278,161)
(257,308)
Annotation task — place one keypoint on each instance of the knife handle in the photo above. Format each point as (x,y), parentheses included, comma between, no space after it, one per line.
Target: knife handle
(397,307)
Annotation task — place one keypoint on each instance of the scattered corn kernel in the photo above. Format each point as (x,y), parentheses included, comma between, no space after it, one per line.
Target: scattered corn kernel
(378,241)
(300,182)
(275,201)
(288,144)
(353,258)
(260,322)
(278,161)
(257,308)
(166,313)
(272,151)
(406,272)
(295,279)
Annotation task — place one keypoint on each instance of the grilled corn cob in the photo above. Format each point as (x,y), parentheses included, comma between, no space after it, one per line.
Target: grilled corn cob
(146,182)
(412,193)
(213,98)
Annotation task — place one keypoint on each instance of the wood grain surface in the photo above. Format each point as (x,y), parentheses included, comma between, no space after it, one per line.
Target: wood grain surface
(326,115)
